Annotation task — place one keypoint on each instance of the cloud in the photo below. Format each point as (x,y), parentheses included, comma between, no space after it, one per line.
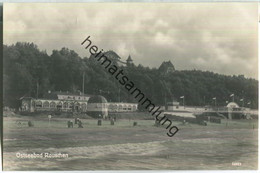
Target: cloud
(219,37)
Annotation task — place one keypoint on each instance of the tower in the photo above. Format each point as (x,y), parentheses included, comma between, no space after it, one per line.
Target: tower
(129,60)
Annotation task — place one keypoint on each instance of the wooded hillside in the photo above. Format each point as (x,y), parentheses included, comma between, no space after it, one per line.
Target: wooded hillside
(25,66)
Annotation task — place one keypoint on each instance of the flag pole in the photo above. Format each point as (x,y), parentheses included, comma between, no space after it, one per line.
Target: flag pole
(183,102)
(83,81)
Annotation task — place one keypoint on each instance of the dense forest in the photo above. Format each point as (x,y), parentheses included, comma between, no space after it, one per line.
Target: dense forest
(27,68)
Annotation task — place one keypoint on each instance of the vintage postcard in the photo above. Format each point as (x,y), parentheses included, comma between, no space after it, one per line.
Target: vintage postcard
(130,86)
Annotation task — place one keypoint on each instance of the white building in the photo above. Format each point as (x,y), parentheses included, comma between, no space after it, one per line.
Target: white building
(70,102)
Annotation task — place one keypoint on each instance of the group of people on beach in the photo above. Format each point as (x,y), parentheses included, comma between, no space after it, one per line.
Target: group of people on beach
(77,121)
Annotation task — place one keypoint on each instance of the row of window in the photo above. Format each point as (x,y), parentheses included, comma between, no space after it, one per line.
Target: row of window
(122,107)
(72,97)
(46,104)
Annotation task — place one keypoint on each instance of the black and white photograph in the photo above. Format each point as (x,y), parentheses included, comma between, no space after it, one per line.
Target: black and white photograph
(99,86)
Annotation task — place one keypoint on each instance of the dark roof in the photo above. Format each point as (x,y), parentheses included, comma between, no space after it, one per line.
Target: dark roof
(112,54)
(129,58)
(97,99)
(121,62)
(165,65)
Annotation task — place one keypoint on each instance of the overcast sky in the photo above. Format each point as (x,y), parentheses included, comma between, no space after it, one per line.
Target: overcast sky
(219,37)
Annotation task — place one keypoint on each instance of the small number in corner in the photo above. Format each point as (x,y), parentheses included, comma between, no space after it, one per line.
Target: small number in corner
(236,164)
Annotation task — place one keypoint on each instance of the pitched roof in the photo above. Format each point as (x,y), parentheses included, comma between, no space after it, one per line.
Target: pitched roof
(165,65)
(129,58)
(112,54)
